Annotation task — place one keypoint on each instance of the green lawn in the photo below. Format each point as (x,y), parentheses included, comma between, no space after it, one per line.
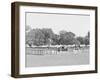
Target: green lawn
(61,58)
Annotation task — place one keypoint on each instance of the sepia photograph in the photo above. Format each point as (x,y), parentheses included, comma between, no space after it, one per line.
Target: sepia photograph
(56,39)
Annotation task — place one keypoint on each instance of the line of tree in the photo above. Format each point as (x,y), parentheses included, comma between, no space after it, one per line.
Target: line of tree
(46,36)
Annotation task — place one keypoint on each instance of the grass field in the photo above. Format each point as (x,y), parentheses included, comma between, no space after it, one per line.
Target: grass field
(78,57)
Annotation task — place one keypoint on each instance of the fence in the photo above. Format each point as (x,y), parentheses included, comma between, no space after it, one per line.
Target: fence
(41,51)
(52,50)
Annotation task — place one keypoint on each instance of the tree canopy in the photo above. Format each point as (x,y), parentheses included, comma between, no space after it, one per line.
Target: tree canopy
(46,36)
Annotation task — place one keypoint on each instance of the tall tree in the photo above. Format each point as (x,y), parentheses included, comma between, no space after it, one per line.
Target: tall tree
(87,39)
(35,37)
(66,38)
(48,33)
(81,40)
(56,39)
(28,36)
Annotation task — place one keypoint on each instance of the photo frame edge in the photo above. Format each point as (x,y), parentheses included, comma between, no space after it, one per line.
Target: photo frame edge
(15,41)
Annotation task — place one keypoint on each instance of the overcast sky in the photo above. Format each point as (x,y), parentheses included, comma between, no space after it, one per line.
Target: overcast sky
(78,24)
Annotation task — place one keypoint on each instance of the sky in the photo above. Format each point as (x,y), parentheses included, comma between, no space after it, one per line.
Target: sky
(78,24)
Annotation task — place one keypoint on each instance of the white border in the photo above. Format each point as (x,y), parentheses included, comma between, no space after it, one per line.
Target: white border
(37,70)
